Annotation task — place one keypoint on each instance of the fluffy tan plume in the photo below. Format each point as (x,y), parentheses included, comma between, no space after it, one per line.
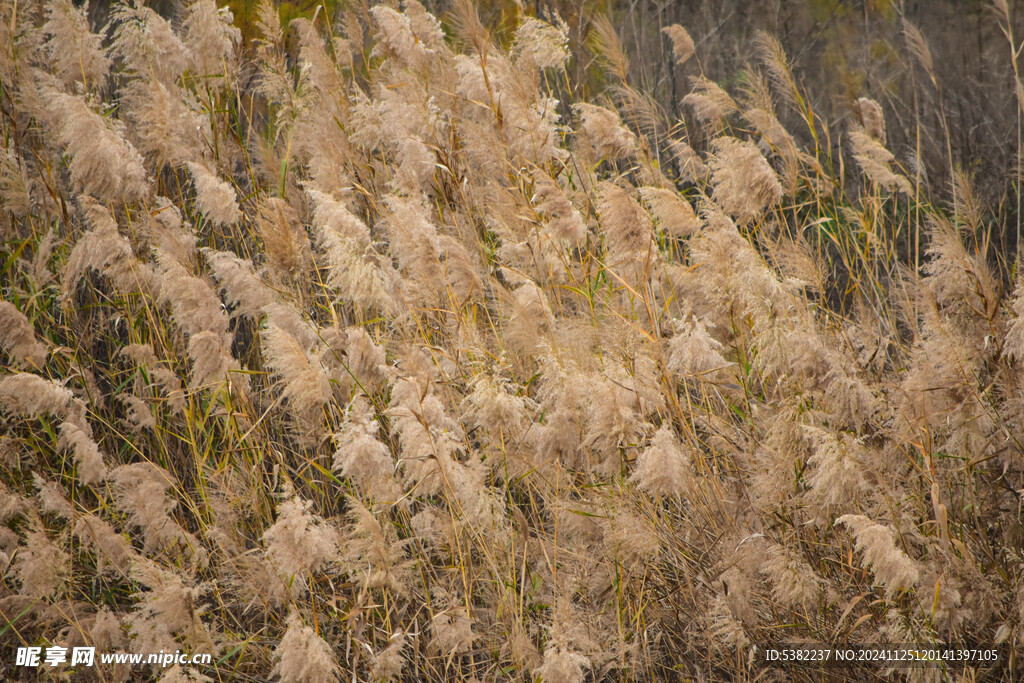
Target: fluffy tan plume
(18,337)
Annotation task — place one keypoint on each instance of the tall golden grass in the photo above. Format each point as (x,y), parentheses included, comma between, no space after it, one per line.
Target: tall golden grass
(352,353)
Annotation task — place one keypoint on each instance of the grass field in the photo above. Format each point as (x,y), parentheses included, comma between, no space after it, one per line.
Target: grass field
(364,350)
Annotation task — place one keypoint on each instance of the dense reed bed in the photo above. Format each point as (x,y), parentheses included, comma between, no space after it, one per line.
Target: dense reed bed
(365,352)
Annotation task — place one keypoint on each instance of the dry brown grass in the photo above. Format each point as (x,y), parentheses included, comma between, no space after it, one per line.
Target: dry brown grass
(353,354)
